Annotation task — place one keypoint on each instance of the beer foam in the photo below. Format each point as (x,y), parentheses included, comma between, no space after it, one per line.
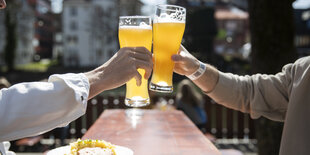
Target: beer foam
(148,27)
(172,18)
(162,83)
(137,98)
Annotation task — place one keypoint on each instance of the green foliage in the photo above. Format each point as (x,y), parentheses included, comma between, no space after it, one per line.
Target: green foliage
(221,34)
(41,66)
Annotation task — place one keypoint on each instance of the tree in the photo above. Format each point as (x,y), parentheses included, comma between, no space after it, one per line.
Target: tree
(200,32)
(11,40)
(272,39)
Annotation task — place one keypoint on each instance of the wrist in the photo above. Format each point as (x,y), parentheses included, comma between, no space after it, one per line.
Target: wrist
(97,81)
(198,72)
(192,68)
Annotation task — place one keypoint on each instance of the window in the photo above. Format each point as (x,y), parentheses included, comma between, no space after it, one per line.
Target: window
(73,11)
(99,52)
(111,53)
(73,25)
(73,40)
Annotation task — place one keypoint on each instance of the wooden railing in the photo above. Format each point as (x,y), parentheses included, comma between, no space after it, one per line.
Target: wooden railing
(222,122)
(227,123)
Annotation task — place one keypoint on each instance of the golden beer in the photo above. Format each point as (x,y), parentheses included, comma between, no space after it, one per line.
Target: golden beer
(136,36)
(167,40)
(167,33)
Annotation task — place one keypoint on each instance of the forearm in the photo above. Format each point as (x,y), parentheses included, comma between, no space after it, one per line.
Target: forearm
(96,84)
(258,94)
(100,79)
(28,109)
(119,69)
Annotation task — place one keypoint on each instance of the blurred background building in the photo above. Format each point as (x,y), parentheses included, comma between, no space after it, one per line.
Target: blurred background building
(25,33)
(84,32)
(44,29)
(233,31)
(129,7)
(90,29)
(302,29)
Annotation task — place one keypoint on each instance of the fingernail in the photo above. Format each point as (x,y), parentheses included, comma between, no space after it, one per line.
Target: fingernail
(174,57)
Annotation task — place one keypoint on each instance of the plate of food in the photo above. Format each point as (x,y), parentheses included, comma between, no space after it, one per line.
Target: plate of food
(91,147)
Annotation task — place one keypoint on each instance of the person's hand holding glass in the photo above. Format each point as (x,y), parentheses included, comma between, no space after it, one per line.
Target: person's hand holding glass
(136,31)
(168,29)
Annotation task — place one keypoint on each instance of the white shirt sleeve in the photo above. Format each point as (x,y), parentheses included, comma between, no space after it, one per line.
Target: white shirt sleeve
(29,109)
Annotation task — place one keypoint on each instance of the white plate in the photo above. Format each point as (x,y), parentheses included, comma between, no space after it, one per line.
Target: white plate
(120,150)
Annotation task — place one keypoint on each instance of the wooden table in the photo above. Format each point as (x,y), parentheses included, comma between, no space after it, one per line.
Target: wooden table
(155,133)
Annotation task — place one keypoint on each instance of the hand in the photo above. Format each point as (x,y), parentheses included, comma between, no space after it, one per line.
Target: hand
(185,63)
(124,64)
(2,4)
(120,69)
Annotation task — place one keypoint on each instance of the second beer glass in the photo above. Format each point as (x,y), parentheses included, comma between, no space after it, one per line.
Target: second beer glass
(136,31)
(168,29)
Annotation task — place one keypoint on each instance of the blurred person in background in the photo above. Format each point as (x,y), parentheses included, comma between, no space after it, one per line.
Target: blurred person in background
(4,83)
(191,102)
(2,4)
(283,97)
(28,109)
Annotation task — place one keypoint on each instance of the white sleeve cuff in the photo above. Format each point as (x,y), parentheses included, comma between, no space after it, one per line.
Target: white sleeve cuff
(78,82)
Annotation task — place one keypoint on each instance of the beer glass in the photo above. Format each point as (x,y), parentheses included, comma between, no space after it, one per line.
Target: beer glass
(168,29)
(135,31)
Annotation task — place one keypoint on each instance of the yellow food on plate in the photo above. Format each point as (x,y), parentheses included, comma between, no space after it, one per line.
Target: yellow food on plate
(92,147)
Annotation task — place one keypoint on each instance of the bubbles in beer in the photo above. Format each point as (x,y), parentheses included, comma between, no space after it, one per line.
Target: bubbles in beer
(170,14)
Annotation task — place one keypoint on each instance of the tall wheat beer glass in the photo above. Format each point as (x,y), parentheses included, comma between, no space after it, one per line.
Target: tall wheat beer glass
(135,31)
(168,29)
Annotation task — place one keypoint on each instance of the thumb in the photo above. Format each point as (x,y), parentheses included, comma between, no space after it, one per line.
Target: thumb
(138,78)
(147,74)
(177,58)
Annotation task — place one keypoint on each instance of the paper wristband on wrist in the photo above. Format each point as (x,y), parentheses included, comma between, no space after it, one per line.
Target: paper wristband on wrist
(202,68)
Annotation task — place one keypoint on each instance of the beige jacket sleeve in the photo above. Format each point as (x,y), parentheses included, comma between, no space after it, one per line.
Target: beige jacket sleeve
(258,95)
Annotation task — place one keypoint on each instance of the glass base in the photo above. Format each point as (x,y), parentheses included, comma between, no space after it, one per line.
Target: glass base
(162,89)
(137,103)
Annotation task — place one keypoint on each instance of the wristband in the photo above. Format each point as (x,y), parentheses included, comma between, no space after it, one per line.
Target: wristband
(202,68)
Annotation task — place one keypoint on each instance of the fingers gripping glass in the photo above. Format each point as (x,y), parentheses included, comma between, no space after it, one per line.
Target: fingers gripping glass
(168,29)
(136,31)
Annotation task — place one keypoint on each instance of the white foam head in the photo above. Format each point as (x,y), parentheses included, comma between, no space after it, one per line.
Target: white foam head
(135,22)
(172,18)
(147,27)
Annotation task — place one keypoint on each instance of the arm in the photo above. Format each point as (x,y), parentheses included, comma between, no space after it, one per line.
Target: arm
(186,64)
(120,69)
(259,95)
(28,109)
